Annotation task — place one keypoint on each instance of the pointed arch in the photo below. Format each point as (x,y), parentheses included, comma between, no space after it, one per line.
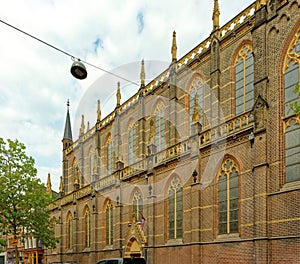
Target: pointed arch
(87,226)
(132,132)
(159,125)
(109,154)
(69,228)
(291,128)
(243,61)
(228,196)
(175,208)
(91,162)
(133,248)
(196,98)
(137,203)
(291,72)
(109,220)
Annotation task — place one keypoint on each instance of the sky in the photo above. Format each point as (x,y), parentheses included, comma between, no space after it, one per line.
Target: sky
(35,79)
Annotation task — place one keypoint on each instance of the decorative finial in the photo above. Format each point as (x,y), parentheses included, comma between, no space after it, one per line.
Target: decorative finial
(88,125)
(196,113)
(81,132)
(61,185)
(143,74)
(174,47)
(68,104)
(49,186)
(118,95)
(216,15)
(98,112)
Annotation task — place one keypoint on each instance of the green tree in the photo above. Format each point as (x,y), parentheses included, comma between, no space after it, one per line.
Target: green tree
(24,203)
(295,106)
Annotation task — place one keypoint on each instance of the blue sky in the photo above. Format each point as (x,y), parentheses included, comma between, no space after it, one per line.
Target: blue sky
(35,80)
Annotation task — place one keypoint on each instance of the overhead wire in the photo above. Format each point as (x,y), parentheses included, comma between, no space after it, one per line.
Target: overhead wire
(67,53)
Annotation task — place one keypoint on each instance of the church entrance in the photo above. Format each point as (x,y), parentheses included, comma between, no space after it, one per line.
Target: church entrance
(133,249)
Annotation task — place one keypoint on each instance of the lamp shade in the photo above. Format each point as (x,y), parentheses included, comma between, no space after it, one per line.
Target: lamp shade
(78,70)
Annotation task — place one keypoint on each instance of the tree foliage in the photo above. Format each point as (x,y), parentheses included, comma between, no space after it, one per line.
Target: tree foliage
(24,202)
(295,106)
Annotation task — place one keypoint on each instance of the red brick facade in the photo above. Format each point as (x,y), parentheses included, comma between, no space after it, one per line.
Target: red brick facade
(262,214)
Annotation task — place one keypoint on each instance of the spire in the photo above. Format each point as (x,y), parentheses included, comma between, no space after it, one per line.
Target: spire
(68,131)
(49,186)
(81,131)
(143,74)
(118,95)
(196,113)
(216,16)
(61,185)
(174,47)
(98,112)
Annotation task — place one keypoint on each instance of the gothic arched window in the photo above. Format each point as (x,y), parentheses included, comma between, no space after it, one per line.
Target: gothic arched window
(291,71)
(109,223)
(175,209)
(87,225)
(244,80)
(228,196)
(109,153)
(160,127)
(132,145)
(91,167)
(137,205)
(69,231)
(196,99)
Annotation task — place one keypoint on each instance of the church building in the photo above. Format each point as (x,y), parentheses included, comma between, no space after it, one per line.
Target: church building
(202,164)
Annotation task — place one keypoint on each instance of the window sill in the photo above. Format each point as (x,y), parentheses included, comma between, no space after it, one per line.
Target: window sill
(171,242)
(291,186)
(228,237)
(86,250)
(108,247)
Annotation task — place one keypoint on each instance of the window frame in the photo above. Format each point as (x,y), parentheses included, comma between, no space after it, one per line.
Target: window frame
(109,234)
(87,228)
(242,89)
(132,144)
(230,223)
(175,210)
(291,67)
(159,127)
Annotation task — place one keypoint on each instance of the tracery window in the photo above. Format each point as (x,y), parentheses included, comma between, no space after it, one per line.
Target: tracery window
(75,173)
(69,232)
(137,205)
(109,223)
(91,167)
(109,153)
(291,72)
(175,209)
(87,224)
(228,198)
(244,80)
(196,98)
(132,146)
(160,127)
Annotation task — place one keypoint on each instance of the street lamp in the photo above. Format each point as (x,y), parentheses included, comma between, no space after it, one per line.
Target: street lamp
(78,70)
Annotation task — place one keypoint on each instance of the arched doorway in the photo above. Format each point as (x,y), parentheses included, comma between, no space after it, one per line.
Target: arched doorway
(133,249)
